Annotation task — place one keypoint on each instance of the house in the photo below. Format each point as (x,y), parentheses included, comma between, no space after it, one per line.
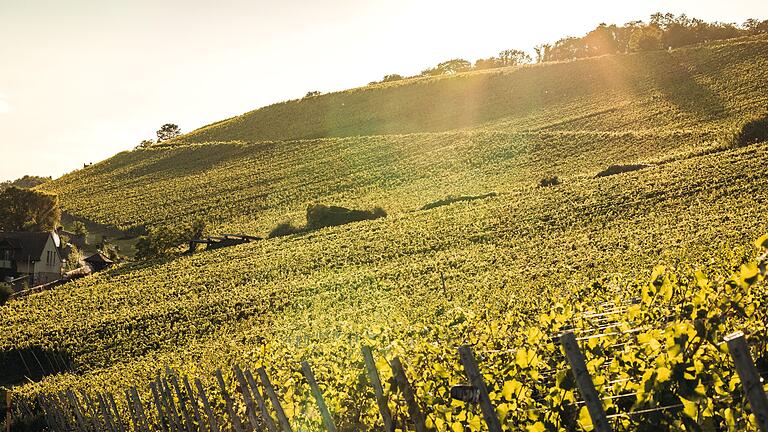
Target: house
(34,255)
(98,261)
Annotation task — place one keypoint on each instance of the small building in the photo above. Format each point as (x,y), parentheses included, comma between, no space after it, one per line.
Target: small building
(31,255)
(98,261)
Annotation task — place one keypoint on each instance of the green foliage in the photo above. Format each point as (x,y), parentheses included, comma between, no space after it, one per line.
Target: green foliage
(664,30)
(284,229)
(167,132)
(74,258)
(28,210)
(26,182)
(448,67)
(549,181)
(321,216)
(501,274)
(162,239)
(79,229)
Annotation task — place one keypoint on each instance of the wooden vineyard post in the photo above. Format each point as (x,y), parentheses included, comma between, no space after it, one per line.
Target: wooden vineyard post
(8,410)
(381,400)
(76,408)
(132,410)
(182,403)
(159,406)
(410,398)
(327,419)
(281,417)
(467,359)
(249,404)
(750,380)
(108,420)
(584,382)
(271,426)
(170,406)
(118,419)
(51,416)
(193,402)
(59,404)
(92,411)
(212,423)
(140,410)
(228,401)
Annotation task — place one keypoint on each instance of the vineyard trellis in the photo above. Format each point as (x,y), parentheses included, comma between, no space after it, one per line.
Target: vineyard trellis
(179,408)
(579,343)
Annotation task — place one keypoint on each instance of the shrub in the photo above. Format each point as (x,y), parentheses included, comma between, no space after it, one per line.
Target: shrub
(753,132)
(450,199)
(283,229)
(321,216)
(161,239)
(5,293)
(549,181)
(618,169)
(79,229)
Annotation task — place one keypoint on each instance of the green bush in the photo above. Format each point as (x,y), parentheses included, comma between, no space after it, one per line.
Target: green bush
(160,240)
(285,228)
(549,181)
(321,216)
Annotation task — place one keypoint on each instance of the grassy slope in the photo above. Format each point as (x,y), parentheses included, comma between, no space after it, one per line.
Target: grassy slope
(625,109)
(512,253)
(684,88)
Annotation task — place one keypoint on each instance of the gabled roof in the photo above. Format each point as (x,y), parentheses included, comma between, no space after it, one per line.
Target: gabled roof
(98,257)
(27,245)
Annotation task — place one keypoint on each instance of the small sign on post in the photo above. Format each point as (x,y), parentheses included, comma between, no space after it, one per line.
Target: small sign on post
(479,390)
(750,379)
(584,382)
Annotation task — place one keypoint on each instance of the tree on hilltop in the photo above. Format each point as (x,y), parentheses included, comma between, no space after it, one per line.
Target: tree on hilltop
(448,68)
(166,132)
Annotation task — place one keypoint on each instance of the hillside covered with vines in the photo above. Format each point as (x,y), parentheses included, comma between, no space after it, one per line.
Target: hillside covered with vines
(676,247)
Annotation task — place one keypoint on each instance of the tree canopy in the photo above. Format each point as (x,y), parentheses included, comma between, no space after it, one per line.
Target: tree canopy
(26,182)
(167,131)
(28,210)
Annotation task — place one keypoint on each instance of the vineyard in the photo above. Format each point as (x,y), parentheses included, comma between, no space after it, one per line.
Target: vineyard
(250,184)
(651,268)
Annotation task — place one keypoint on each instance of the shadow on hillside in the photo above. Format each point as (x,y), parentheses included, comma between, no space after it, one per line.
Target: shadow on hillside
(679,87)
(32,363)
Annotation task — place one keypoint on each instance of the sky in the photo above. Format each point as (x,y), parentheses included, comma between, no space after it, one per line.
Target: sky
(81,80)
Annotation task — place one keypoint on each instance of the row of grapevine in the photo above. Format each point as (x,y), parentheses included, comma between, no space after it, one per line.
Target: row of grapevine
(657,361)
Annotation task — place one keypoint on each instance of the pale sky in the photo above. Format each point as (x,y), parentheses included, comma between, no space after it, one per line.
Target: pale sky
(81,80)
